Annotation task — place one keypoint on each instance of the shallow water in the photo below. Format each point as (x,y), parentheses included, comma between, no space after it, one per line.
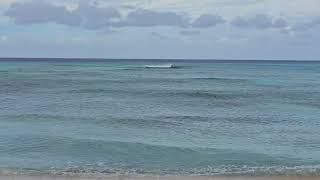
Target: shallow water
(201,118)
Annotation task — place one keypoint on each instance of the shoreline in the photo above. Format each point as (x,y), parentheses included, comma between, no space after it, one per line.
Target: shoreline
(132,177)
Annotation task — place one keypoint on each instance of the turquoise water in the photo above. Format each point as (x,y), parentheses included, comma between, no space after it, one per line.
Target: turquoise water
(207,118)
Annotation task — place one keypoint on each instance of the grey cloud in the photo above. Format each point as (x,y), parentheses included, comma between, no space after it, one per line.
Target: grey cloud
(158,35)
(38,12)
(128,7)
(189,33)
(260,21)
(93,17)
(306,25)
(207,21)
(280,23)
(90,16)
(148,18)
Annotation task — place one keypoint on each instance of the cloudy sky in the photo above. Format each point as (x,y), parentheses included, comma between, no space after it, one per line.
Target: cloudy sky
(197,29)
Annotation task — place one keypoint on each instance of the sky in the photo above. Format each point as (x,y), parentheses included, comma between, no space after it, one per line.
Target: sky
(161,29)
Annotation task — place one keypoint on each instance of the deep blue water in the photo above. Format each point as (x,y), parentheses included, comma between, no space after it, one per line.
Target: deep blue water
(219,117)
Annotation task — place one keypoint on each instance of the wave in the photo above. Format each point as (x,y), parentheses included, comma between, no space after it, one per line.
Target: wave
(147,122)
(163,66)
(101,156)
(159,121)
(168,93)
(171,122)
(220,79)
(93,91)
(90,172)
(202,94)
(66,65)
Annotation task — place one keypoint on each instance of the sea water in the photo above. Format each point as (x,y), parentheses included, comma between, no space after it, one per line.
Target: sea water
(118,117)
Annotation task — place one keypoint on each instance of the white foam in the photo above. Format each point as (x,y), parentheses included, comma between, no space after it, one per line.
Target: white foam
(163,66)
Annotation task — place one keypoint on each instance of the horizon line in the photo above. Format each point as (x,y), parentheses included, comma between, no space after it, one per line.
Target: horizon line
(159,59)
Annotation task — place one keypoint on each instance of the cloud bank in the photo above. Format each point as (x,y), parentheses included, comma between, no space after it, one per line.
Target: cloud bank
(39,12)
(260,21)
(93,17)
(148,18)
(207,21)
(305,26)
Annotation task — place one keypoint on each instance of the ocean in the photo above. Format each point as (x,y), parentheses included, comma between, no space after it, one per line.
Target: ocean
(104,117)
